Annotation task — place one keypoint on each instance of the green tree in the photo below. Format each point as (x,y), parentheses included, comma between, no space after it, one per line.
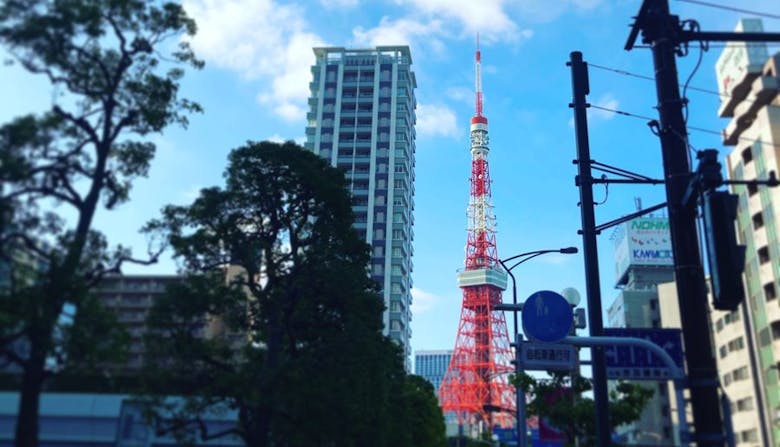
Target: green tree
(277,317)
(560,400)
(420,417)
(114,85)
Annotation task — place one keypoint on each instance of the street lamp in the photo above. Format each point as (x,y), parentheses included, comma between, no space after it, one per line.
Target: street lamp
(523,257)
(520,400)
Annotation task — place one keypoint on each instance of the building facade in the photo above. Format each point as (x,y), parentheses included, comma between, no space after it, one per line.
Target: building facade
(131,297)
(643,260)
(361,118)
(432,365)
(748,79)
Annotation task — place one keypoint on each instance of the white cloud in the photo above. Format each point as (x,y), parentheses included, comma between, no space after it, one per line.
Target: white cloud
(259,39)
(423,301)
(488,17)
(546,11)
(461,94)
(607,101)
(436,120)
(396,32)
(276,138)
(339,3)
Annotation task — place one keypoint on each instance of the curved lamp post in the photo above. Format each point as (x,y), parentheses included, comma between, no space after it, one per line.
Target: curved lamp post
(523,257)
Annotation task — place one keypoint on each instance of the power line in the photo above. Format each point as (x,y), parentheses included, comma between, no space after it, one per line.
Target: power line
(726,45)
(698,129)
(731,8)
(650,78)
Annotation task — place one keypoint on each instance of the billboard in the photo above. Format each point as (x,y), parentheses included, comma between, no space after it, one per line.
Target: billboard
(644,241)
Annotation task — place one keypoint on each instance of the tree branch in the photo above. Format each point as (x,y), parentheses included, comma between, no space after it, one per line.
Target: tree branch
(80,122)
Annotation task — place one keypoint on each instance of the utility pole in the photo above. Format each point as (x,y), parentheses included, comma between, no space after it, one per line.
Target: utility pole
(580,89)
(664,33)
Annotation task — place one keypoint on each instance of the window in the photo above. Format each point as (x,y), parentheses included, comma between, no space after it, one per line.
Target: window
(745,404)
(758,220)
(747,155)
(749,435)
(723,351)
(719,324)
(763,337)
(731,317)
(776,330)
(736,344)
(740,373)
(770,292)
(752,190)
(763,254)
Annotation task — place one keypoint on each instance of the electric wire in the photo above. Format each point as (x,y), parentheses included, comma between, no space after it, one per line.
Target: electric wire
(650,78)
(702,48)
(698,129)
(731,8)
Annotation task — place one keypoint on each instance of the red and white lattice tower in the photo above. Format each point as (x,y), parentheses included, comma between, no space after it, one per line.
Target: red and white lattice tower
(476,379)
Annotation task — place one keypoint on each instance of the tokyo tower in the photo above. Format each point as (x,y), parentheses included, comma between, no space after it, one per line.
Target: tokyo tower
(475,387)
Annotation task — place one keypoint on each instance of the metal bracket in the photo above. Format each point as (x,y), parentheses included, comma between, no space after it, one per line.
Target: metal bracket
(626,218)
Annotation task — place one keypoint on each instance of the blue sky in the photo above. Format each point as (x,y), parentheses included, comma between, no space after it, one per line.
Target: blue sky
(255,85)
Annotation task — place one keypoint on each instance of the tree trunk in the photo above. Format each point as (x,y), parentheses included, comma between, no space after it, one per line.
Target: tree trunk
(29,400)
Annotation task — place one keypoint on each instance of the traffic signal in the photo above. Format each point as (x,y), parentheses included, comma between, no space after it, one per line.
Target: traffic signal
(726,257)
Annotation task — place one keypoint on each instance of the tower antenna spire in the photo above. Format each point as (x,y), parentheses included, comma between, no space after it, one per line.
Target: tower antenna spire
(478,63)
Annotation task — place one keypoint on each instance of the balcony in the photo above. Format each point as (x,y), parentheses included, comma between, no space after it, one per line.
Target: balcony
(763,91)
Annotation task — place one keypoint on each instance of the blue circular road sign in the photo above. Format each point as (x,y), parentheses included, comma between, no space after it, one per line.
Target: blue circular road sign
(547,317)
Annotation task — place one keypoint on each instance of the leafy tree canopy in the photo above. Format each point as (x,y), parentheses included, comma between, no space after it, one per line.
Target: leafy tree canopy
(561,402)
(277,317)
(116,80)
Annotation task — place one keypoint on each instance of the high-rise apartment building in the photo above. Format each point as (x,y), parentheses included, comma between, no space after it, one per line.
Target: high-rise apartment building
(432,365)
(748,83)
(131,297)
(361,118)
(643,260)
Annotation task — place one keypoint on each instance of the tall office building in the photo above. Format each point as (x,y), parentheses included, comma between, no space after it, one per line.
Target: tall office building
(643,260)
(432,365)
(748,80)
(361,118)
